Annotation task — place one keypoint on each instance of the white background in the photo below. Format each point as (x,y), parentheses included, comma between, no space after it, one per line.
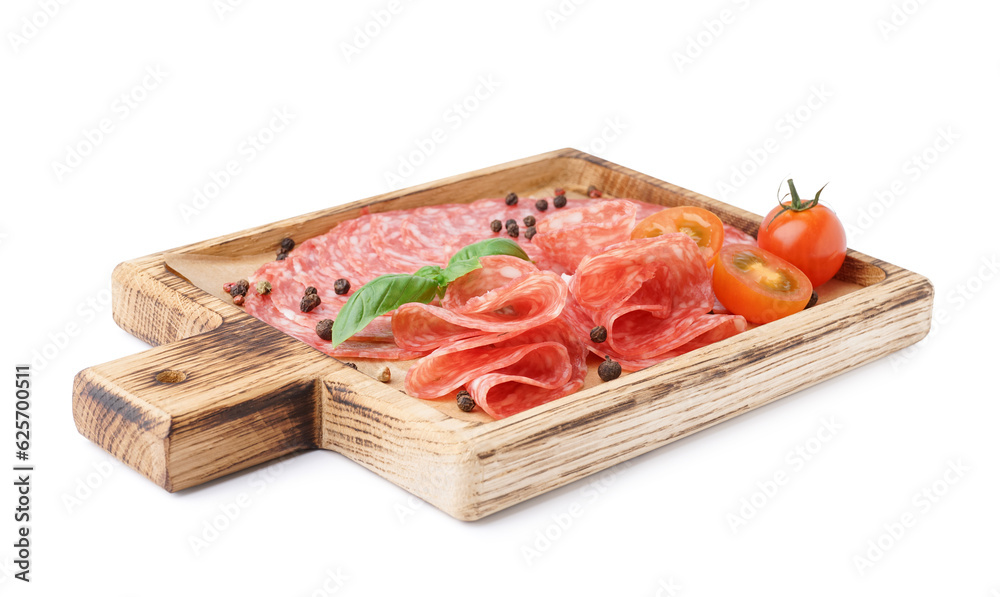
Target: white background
(666,88)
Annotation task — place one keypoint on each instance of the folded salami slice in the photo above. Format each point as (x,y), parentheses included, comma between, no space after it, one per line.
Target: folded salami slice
(505,373)
(653,296)
(566,237)
(506,295)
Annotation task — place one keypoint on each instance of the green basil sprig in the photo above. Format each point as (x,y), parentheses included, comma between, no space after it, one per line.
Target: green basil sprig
(392,291)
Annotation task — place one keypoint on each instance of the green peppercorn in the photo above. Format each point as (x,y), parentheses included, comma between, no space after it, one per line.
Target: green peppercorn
(609,369)
(496,225)
(541,205)
(324,329)
(599,334)
(559,201)
(263,287)
(342,286)
(465,401)
(529,221)
(511,199)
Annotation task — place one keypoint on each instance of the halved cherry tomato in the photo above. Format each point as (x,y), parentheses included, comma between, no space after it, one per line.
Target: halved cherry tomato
(700,224)
(807,234)
(758,285)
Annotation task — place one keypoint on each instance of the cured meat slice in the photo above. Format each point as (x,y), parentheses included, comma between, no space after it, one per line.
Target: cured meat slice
(653,296)
(506,295)
(735,236)
(505,376)
(570,235)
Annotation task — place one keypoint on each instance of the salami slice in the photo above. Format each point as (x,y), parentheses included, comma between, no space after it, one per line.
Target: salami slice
(735,236)
(505,376)
(506,295)
(659,300)
(570,235)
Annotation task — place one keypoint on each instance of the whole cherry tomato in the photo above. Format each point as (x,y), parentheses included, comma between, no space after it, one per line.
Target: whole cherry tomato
(807,234)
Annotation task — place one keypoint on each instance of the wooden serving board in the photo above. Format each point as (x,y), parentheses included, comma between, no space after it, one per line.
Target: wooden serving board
(222,391)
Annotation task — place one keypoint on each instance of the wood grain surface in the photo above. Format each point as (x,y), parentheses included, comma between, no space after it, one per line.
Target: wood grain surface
(222,391)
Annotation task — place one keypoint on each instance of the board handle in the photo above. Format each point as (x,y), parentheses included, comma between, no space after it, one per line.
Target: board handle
(194,410)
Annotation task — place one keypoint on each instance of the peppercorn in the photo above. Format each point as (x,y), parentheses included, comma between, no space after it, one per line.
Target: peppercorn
(324,329)
(599,334)
(384,375)
(263,287)
(286,245)
(351,365)
(541,205)
(512,230)
(465,401)
(496,225)
(609,369)
(282,256)
(510,222)
(239,288)
(593,192)
(560,191)
(511,199)
(559,201)
(813,299)
(342,286)
(227,287)
(310,290)
(530,232)
(309,302)
(529,221)
(238,299)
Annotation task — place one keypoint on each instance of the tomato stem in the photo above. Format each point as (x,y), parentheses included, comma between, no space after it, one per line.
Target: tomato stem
(796,203)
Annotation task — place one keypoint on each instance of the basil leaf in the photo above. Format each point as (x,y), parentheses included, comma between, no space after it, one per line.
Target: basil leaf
(467,259)
(433,272)
(378,297)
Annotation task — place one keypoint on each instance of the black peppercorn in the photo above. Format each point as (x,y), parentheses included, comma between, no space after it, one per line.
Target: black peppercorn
(351,365)
(813,299)
(465,401)
(310,290)
(559,201)
(282,256)
(599,334)
(511,199)
(512,230)
(496,225)
(529,221)
(541,205)
(324,329)
(609,369)
(239,288)
(530,232)
(341,286)
(309,302)
(510,222)
(286,245)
